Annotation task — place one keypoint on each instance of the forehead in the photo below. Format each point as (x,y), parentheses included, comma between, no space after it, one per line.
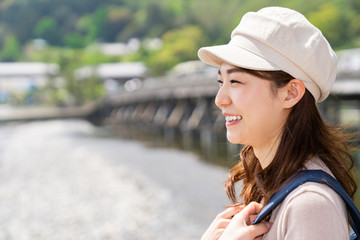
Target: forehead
(227,68)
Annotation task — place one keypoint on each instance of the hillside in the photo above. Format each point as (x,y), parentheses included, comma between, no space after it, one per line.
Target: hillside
(183,25)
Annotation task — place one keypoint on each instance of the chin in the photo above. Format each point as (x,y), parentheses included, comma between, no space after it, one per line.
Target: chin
(234,139)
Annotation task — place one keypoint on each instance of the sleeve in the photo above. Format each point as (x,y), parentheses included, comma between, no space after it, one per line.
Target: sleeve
(314,216)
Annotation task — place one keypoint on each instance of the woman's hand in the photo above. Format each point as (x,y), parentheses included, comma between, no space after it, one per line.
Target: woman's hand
(235,224)
(240,227)
(220,223)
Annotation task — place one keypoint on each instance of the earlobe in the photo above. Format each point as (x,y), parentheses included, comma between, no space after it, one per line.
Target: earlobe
(295,90)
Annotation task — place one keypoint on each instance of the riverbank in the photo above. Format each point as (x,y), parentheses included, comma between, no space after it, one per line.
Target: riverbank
(60,180)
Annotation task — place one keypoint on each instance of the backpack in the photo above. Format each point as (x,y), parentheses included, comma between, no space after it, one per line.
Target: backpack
(317,176)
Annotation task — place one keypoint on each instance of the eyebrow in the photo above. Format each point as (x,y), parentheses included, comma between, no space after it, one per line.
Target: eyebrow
(232,70)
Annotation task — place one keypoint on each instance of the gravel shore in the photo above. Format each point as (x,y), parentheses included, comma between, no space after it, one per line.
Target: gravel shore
(58,181)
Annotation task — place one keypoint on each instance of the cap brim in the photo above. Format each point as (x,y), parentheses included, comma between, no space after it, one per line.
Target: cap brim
(216,55)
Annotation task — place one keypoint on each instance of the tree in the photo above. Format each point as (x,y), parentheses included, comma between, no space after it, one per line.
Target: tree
(117,21)
(74,40)
(11,50)
(334,23)
(179,45)
(93,25)
(48,29)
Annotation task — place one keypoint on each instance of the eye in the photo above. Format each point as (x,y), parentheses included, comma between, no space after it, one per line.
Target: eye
(235,81)
(220,82)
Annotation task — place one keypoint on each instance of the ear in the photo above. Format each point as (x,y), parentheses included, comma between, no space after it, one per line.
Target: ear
(292,93)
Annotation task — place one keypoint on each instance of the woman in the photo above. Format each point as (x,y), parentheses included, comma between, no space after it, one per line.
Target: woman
(272,72)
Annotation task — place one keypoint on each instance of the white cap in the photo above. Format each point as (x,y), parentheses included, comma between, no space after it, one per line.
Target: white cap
(276,38)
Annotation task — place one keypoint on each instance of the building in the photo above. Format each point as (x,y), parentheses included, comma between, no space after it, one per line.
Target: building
(24,77)
(115,76)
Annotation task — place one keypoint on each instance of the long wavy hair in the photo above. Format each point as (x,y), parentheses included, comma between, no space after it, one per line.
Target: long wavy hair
(304,135)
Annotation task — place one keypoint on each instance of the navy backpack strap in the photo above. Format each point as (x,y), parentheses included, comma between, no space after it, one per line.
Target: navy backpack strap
(317,176)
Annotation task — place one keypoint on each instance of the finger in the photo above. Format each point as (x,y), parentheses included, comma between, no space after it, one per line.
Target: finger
(224,223)
(259,229)
(244,217)
(230,212)
(252,208)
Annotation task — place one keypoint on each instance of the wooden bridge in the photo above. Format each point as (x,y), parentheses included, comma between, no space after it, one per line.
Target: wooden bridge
(182,103)
(186,100)
(177,101)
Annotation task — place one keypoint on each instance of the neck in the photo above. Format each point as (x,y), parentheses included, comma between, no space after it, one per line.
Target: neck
(266,153)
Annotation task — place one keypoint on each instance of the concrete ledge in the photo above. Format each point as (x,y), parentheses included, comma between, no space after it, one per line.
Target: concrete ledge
(8,114)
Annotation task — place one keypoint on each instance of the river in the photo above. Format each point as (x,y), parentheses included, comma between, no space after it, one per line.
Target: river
(67,179)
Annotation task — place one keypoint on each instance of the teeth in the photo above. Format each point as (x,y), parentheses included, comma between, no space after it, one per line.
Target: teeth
(232,118)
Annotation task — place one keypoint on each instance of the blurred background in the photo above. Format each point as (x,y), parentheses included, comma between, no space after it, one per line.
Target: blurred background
(108,128)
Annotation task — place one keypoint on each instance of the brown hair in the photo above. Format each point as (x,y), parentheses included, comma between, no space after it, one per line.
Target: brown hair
(304,135)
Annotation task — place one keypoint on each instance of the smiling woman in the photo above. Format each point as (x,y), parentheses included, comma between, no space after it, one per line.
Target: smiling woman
(270,80)
(261,117)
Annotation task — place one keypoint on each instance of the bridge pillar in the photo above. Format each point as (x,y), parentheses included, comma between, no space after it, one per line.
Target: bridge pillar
(162,114)
(126,116)
(149,112)
(138,111)
(177,114)
(197,115)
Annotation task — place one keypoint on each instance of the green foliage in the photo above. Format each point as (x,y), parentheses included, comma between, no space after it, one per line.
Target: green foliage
(95,27)
(74,40)
(75,91)
(63,22)
(92,89)
(11,50)
(47,29)
(183,25)
(117,24)
(179,45)
(334,24)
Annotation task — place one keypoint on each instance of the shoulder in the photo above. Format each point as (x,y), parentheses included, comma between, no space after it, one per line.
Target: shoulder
(311,198)
(315,196)
(312,211)
(316,192)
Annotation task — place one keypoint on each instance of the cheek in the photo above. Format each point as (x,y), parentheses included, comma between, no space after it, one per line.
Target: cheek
(267,120)
(260,111)
(253,103)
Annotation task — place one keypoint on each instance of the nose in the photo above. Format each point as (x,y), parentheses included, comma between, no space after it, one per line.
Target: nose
(222,98)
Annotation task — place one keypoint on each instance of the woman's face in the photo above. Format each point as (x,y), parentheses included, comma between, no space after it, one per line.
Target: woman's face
(254,114)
